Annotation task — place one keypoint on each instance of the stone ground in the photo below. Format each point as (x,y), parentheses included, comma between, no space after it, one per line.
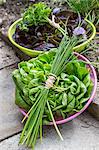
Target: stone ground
(82,133)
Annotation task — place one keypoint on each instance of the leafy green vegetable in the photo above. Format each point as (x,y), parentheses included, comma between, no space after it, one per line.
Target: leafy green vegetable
(35,15)
(20,101)
(70,91)
(38,14)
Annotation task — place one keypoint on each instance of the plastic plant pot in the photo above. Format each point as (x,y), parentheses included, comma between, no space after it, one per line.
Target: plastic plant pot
(34,53)
(93,77)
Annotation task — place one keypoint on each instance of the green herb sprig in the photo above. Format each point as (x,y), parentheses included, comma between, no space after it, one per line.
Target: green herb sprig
(35,15)
(38,14)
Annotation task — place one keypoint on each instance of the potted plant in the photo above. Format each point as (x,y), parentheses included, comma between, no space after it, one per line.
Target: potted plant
(32,32)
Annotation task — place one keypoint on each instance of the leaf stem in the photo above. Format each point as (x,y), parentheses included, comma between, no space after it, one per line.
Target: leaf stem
(58,132)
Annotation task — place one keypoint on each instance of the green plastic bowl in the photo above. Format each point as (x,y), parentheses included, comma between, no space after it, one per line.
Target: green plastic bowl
(34,53)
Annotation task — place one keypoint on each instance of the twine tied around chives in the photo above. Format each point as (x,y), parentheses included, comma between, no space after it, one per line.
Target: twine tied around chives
(50,81)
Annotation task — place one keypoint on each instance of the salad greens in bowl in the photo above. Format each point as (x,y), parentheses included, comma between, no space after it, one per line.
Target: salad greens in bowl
(53,88)
(71,94)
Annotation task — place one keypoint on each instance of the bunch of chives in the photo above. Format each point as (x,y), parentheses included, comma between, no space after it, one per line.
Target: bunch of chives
(34,122)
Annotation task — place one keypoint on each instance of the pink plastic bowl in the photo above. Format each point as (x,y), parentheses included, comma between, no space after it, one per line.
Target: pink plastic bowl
(94,79)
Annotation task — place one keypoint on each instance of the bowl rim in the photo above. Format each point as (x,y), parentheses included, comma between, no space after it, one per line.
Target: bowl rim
(89,100)
(38,52)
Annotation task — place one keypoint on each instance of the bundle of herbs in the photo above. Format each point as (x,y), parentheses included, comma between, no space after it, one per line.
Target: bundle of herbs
(52,85)
(42,29)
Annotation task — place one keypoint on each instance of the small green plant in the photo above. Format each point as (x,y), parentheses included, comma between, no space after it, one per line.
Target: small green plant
(35,15)
(38,14)
(83,6)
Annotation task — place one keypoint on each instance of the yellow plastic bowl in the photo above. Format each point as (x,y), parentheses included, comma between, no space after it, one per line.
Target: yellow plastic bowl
(34,53)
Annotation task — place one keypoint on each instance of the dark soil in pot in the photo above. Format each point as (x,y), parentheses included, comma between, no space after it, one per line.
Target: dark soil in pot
(46,37)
